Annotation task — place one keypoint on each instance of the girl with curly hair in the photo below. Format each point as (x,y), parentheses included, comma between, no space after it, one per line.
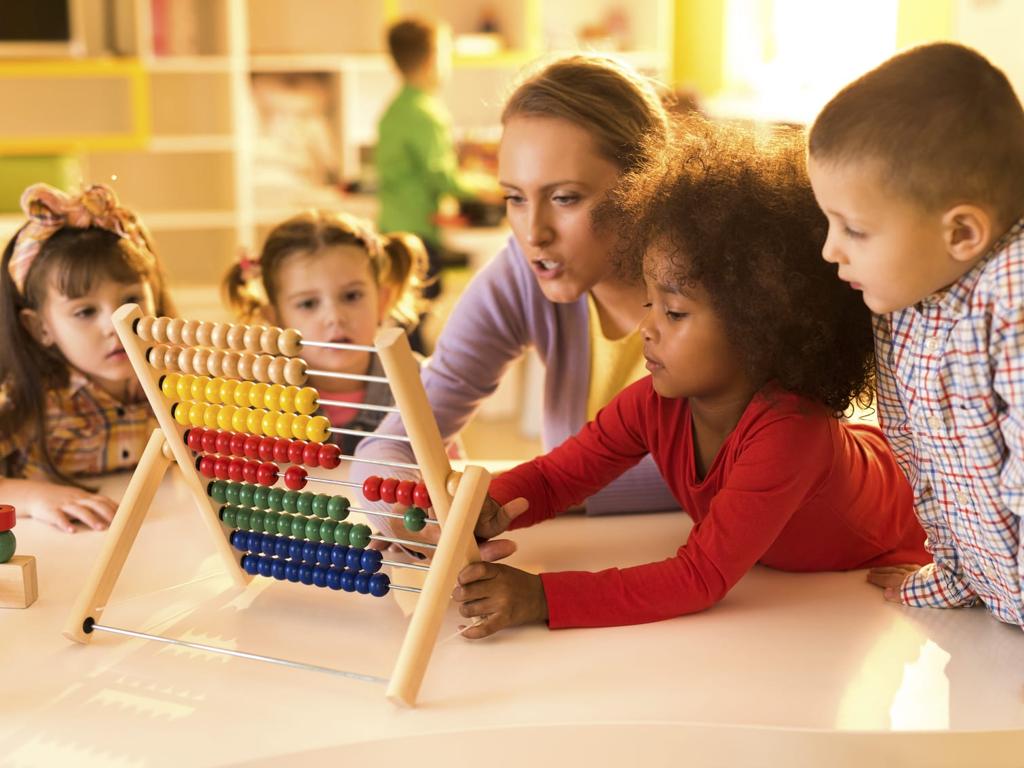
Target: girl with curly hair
(755,348)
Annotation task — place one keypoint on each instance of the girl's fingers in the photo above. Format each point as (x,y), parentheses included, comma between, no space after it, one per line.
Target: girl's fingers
(84,514)
(102,506)
(59,520)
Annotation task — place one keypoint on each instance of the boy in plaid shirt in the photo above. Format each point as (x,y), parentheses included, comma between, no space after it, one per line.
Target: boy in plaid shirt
(919,167)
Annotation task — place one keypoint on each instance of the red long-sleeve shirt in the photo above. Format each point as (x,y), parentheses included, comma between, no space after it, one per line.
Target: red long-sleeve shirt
(792,488)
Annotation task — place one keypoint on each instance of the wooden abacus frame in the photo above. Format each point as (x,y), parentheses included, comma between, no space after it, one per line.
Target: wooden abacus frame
(456,514)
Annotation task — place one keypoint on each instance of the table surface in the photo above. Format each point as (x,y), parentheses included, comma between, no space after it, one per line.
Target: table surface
(790,669)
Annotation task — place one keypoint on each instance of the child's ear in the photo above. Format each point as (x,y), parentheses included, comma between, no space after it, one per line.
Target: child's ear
(385,301)
(967,230)
(32,322)
(268,314)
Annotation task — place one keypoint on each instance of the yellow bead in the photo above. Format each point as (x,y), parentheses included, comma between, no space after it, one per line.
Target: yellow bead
(242,394)
(269,425)
(257,394)
(210,416)
(199,387)
(316,430)
(299,427)
(169,386)
(212,392)
(240,420)
(181,414)
(227,391)
(272,397)
(287,401)
(254,421)
(196,413)
(283,425)
(306,400)
(225,417)
(185,387)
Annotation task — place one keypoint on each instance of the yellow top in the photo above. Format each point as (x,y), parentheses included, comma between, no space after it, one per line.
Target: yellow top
(614,363)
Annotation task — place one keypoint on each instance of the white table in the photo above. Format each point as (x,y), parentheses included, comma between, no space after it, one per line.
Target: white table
(788,670)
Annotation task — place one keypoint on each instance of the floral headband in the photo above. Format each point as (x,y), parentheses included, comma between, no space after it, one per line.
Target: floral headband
(49,210)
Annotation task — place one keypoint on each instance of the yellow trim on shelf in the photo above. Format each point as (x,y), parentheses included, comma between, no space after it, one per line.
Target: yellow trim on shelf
(923,21)
(699,49)
(127,68)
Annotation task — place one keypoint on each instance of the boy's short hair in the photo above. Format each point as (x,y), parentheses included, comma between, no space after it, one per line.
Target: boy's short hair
(411,42)
(943,123)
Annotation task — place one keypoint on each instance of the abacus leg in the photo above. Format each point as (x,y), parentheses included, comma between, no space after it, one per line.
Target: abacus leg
(449,559)
(119,538)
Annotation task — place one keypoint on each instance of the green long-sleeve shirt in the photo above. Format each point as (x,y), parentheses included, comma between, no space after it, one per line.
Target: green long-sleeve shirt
(416,163)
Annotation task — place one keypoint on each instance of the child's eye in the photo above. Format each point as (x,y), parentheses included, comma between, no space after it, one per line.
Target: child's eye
(674,316)
(83,313)
(352,296)
(648,305)
(307,304)
(852,233)
(513,199)
(566,199)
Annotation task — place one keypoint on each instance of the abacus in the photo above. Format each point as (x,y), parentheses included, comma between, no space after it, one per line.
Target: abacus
(233,411)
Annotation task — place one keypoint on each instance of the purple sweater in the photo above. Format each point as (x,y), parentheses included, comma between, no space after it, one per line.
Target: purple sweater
(501,314)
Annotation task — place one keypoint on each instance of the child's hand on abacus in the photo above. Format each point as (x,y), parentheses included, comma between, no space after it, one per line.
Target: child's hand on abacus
(62,505)
(498,596)
(495,519)
(891,578)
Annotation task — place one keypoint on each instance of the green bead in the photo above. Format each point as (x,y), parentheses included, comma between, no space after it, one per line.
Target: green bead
(278,523)
(304,506)
(231,492)
(320,502)
(312,531)
(245,492)
(7,546)
(229,516)
(290,501)
(327,531)
(259,497)
(360,536)
(256,520)
(341,533)
(298,527)
(275,500)
(415,519)
(216,490)
(337,508)
(243,518)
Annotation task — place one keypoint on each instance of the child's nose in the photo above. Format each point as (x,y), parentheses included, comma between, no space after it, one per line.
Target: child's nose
(830,251)
(539,232)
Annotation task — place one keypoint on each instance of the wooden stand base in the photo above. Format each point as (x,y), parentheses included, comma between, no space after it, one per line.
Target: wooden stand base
(18,586)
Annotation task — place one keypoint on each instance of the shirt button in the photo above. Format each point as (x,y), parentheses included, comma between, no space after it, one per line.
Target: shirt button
(931,343)
(935,422)
(962,498)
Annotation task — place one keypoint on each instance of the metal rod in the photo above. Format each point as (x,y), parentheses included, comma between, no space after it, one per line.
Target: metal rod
(242,654)
(417,590)
(392,515)
(361,433)
(338,345)
(349,376)
(360,406)
(378,537)
(395,564)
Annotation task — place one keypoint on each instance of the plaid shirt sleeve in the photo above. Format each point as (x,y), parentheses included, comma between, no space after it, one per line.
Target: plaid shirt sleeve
(939,584)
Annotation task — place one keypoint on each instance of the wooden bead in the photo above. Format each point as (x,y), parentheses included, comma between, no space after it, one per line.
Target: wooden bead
(229,364)
(159,329)
(144,327)
(276,370)
(290,342)
(261,367)
(188,332)
(295,372)
(236,337)
(185,360)
(174,330)
(199,362)
(155,356)
(204,333)
(268,341)
(245,361)
(253,334)
(215,361)
(219,335)
(171,358)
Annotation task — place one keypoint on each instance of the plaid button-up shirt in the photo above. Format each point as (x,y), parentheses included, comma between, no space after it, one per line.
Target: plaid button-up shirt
(88,432)
(951,402)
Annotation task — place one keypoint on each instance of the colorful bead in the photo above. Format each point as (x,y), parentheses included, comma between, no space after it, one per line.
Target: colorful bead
(275,499)
(205,465)
(333,579)
(296,450)
(251,565)
(217,491)
(194,439)
(232,469)
(265,448)
(328,456)
(299,427)
(226,416)
(240,419)
(287,399)
(143,327)
(371,488)
(312,529)
(403,493)
(238,444)
(283,424)
(245,494)
(226,396)
(235,337)
(327,530)
(242,516)
(169,385)
(222,441)
(323,554)
(245,361)
(388,488)
(305,504)
(371,560)
(272,397)
(232,493)
(210,414)
(306,400)
(337,507)
(281,450)
(253,421)
(251,471)
(309,552)
(258,395)
(290,501)
(360,535)
(184,387)
(256,520)
(266,473)
(319,576)
(261,367)
(353,558)
(311,454)
(228,517)
(380,584)
(199,386)
(295,478)
(179,413)
(211,393)
(420,497)
(252,447)
(339,555)
(277,570)
(318,429)
(342,533)
(320,502)
(241,394)
(260,495)
(363,583)
(291,571)
(348,580)
(415,519)
(306,574)
(298,527)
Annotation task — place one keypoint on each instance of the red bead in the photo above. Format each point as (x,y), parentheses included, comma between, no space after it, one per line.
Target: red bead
(371,488)
(281,449)
(311,454)
(209,441)
(223,442)
(387,489)
(252,447)
(7,517)
(266,474)
(206,466)
(330,456)
(222,468)
(295,451)
(250,470)
(195,439)
(265,449)
(420,497)
(404,492)
(238,443)
(295,478)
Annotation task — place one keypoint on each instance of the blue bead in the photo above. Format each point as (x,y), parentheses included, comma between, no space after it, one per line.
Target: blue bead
(277,569)
(254,541)
(319,575)
(281,546)
(236,541)
(306,574)
(379,584)
(323,554)
(370,561)
(291,571)
(266,566)
(334,578)
(295,549)
(339,553)
(250,565)
(348,580)
(363,583)
(354,558)
(269,544)
(309,552)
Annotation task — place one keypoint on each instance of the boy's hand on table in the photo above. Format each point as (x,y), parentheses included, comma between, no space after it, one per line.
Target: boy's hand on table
(498,596)
(891,578)
(62,505)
